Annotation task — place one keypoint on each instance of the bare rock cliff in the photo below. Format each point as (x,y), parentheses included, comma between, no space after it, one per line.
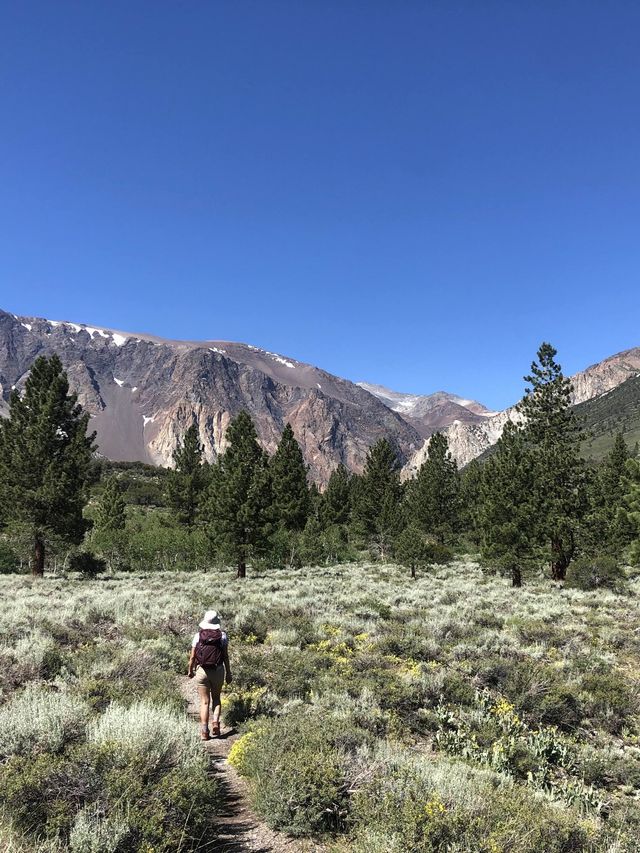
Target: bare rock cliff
(143,392)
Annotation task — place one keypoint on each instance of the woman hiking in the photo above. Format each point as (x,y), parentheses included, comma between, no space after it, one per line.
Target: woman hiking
(209,662)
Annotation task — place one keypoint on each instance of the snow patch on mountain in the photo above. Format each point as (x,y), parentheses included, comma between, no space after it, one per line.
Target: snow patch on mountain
(93,332)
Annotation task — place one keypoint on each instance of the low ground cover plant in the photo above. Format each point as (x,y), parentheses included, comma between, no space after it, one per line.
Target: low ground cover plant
(376,712)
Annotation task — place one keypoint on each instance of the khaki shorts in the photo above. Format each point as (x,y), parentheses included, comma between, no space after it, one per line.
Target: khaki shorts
(209,681)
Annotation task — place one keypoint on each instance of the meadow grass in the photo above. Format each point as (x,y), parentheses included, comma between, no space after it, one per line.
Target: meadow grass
(446,713)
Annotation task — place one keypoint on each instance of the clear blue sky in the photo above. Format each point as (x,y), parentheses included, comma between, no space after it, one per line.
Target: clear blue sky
(409,192)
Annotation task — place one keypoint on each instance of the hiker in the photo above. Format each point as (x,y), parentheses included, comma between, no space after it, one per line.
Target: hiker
(209,661)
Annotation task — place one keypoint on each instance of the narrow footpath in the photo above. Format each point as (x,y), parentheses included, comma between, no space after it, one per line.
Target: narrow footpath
(239,829)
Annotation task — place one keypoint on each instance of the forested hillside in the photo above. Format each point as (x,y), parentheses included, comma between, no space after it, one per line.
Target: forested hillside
(616,411)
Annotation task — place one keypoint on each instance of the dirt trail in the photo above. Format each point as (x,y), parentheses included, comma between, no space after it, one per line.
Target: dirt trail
(239,830)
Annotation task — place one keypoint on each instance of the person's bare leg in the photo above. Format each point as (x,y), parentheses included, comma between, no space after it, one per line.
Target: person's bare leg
(204,708)
(217,707)
(215,714)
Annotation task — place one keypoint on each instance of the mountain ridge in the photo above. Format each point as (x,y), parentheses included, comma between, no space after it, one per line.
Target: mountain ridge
(143,392)
(430,412)
(469,441)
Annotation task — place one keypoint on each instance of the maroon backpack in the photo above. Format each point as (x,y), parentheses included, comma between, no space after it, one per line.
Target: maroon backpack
(210,647)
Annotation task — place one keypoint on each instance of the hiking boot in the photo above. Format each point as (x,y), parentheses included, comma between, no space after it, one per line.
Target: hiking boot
(204,733)
(215,729)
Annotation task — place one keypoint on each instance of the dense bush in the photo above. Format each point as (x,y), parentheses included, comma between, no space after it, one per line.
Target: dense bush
(609,700)
(298,767)
(37,721)
(405,803)
(148,735)
(9,560)
(87,564)
(142,778)
(596,573)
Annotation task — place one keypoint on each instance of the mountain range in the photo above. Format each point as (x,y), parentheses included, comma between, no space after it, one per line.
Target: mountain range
(143,391)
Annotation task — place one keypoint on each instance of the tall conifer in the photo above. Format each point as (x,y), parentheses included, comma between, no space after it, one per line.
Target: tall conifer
(471,492)
(434,496)
(377,511)
(631,511)
(335,502)
(506,514)
(291,500)
(553,435)
(187,481)
(111,510)
(239,495)
(45,458)
(605,530)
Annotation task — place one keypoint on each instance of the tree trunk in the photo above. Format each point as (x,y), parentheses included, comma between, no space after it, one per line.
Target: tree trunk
(413,571)
(38,559)
(560,561)
(242,568)
(516,576)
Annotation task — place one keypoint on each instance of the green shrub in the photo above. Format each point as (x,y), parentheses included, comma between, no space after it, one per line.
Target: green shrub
(102,793)
(428,805)
(609,700)
(87,564)
(600,572)
(238,706)
(9,560)
(93,832)
(539,694)
(149,736)
(606,769)
(298,767)
(176,812)
(37,721)
(32,793)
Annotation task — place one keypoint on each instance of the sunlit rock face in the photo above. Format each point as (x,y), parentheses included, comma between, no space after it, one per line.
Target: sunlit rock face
(469,440)
(143,392)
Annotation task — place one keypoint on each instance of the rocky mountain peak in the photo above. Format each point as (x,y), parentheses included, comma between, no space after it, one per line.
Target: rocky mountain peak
(143,392)
(431,412)
(468,440)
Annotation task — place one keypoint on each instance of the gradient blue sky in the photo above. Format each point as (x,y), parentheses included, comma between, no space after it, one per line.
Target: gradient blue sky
(411,193)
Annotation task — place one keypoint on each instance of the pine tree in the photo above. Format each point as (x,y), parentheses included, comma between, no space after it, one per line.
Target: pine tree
(45,459)
(413,549)
(631,510)
(433,498)
(471,480)
(291,500)
(377,511)
(506,515)
(187,482)
(335,504)
(239,496)
(605,530)
(553,435)
(111,510)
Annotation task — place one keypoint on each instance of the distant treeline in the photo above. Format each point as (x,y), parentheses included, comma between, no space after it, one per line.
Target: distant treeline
(534,505)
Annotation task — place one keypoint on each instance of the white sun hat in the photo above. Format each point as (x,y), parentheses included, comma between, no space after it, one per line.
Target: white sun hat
(210,620)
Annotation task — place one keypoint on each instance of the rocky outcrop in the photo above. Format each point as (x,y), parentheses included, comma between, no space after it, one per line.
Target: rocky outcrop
(143,392)
(469,440)
(431,412)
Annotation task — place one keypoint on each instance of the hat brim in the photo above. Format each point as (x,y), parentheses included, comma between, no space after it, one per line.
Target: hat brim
(209,625)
